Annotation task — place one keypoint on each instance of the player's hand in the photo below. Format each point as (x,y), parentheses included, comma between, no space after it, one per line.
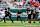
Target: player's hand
(22,13)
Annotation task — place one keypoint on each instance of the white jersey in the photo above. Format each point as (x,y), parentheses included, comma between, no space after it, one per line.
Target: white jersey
(29,12)
(2,13)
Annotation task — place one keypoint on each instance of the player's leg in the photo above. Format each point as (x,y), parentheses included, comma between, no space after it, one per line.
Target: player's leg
(4,18)
(34,18)
(29,21)
(26,20)
(39,20)
(17,18)
(10,19)
(20,18)
(0,18)
(29,18)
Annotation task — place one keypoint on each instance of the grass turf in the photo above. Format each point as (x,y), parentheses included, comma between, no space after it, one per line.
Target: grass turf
(10,24)
(19,23)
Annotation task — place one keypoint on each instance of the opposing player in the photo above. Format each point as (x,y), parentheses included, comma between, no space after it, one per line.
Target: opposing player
(34,14)
(7,14)
(19,15)
(29,12)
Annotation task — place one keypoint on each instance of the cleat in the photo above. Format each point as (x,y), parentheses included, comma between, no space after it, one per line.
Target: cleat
(4,22)
(33,22)
(29,22)
(12,21)
(23,22)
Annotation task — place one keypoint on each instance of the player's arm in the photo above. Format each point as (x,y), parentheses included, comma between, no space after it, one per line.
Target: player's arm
(9,13)
(22,13)
(17,14)
(33,12)
(26,11)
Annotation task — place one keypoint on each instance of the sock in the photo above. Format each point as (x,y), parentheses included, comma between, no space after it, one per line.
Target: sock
(21,20)
(3,21)
(11,19)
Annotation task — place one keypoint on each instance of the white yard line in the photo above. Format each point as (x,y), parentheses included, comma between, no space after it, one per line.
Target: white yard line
(19,25)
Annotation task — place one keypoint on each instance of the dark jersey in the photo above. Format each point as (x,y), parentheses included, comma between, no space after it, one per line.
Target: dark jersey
(7,13)
(19,12)
(29,12)
(34,11)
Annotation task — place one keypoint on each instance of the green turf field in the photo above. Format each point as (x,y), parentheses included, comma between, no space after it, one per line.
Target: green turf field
(19,24)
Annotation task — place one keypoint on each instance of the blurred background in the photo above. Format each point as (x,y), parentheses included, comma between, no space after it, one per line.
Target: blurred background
(15,5)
